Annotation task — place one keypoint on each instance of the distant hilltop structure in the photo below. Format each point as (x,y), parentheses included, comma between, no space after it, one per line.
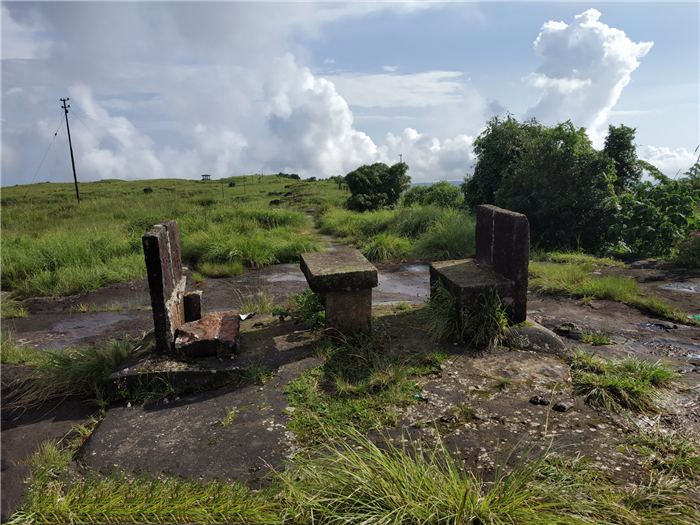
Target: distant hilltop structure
(206,177)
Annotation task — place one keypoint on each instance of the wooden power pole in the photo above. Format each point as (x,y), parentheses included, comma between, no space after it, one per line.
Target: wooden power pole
(70,144)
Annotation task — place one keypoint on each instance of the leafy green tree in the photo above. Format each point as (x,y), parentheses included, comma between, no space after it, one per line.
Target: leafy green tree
(563,186)
(692,176)
(619,146)
(442,194)
(377,185)
(654,218)
(496,148)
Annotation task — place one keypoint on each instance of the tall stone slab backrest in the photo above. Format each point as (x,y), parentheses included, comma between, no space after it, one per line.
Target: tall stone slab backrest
(161,247)
(503,243)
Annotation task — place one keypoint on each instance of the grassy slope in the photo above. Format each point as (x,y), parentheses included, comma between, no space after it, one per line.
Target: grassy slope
(53,246)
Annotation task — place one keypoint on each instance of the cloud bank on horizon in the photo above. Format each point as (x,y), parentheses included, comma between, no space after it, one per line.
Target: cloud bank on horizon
(177,90)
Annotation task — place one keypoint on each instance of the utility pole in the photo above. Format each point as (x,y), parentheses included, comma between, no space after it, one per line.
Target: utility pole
(70,144)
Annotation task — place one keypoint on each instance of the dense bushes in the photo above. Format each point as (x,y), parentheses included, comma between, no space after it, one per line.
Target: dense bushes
(428,233)
(563,186)
(576,197)
(377,185)
(442,194)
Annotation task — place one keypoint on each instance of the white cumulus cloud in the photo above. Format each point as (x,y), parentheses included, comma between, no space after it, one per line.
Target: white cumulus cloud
(311,124)
(586,65)
(429,159)
(671,162)
(430,88)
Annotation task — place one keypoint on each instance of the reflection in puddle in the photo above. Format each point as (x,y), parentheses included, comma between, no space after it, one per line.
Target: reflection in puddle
(683,287)
(80,326)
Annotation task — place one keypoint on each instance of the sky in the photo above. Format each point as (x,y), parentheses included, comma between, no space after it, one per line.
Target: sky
(180,89)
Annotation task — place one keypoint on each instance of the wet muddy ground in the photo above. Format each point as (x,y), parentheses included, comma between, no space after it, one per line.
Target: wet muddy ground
(479,404)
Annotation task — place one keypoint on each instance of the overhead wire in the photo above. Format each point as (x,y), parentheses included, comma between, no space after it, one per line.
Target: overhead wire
(196,139)
(107,148)
(113,137)
(44,158)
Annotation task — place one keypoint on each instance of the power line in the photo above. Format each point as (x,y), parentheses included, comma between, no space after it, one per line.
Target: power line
(47,152)
(107,148)
(197,139)
(70,144)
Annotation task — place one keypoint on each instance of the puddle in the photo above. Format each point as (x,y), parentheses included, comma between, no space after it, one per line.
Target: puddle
(402,286)
(80,326)
(410,283)
(650,326)
(666,348)
(683,287)
(417,268)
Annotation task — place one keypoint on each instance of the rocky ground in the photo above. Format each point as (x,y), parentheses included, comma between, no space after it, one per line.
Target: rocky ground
(481,404)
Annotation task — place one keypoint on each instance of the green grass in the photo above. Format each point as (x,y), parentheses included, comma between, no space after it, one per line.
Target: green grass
(14,353)
(596,338)
(572,258)
(451,237)
(51,246)
(485,322)
(356,387)
(11,309)
(386,247)
(576,280)
(440,316)
(127,498)
(669,451)
(626,384)
(428,233)
(73,371)
(352,479)
(482,324)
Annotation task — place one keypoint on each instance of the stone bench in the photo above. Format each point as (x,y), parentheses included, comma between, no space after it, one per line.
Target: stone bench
(501,263)
(177,315)
(346,278)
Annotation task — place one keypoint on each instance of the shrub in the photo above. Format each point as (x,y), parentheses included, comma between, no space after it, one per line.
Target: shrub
(386,247)
(689,251)
(451,237)
(564,187)
(442,194)
(653,218)
(377,185)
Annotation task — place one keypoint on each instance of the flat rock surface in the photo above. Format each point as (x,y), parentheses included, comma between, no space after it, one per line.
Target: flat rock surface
(188,436)
(479,403)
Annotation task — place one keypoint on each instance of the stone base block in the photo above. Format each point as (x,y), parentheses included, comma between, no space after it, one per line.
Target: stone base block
(467,280)
(214,334)
(349,311)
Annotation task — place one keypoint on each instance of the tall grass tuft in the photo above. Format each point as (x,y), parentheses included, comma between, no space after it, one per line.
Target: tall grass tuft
(386,247)
(627,384)
(353,480)
(124,497)
(441,315)
(451,237)
(73,371)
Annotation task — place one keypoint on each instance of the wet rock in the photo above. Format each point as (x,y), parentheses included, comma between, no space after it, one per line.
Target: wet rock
(536,338)
(539,400)
(568,330)
(563,406)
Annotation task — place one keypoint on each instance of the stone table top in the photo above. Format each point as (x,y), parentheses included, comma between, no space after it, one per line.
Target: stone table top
(338,271)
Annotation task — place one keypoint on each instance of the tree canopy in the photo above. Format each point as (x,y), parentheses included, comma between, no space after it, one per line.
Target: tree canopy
(551,174)
(442,194)
(377,185)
